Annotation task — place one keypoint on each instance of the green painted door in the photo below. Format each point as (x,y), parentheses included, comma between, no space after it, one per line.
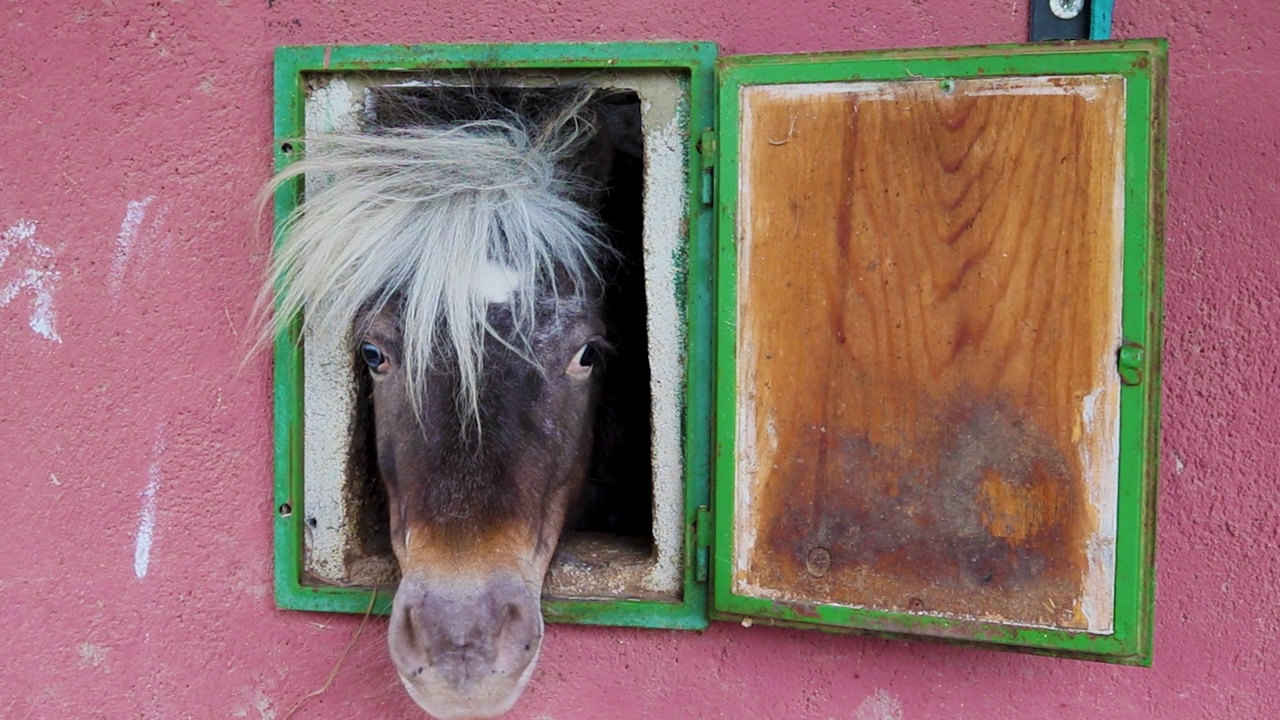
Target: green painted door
(937,343)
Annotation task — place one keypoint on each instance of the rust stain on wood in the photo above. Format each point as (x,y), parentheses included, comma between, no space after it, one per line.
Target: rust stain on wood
(929,294)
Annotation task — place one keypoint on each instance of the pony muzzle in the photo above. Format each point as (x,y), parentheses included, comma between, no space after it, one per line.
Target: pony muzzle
(465,647)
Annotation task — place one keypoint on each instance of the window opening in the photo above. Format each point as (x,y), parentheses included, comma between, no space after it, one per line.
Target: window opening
(625,539)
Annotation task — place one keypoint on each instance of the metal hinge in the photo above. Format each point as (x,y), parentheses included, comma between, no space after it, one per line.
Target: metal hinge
(707,153)
(1129,361)
(702,543)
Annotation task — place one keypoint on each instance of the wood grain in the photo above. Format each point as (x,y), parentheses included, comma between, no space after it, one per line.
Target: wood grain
(928,303)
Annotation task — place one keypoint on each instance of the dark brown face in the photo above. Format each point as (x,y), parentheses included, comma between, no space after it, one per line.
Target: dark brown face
(477,509)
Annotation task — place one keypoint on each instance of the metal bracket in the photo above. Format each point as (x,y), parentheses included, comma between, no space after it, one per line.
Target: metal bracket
(707,153)
(702,544)
(1071,19)
(1129,361)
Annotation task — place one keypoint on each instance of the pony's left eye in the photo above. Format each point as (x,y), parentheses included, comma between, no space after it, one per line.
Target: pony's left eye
(373,357)
(580,365)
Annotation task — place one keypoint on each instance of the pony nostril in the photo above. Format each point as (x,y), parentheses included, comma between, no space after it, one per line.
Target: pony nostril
(414,631)
(514,629)
(512,616)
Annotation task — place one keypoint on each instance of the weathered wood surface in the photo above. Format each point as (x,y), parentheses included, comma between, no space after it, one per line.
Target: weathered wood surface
(929,310)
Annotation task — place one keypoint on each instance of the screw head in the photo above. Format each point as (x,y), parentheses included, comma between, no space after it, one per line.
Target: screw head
(1066,9)
(818,562)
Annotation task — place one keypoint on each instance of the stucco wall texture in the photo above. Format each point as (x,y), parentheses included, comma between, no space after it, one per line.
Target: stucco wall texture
(135,441)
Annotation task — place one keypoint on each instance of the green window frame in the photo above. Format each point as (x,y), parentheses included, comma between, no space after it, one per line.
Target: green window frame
(293,65)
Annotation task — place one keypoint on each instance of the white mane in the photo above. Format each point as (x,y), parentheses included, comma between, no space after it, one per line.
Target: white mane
(451,219)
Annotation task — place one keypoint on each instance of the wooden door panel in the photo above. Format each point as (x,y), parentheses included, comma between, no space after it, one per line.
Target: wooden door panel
(929,295)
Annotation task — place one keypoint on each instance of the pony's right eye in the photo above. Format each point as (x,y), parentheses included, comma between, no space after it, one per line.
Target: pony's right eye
(373,357)
(580,365)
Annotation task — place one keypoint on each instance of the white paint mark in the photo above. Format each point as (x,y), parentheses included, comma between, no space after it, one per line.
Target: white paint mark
(40,278)
(134,215)
(147,516)
(1100,450)
(1091,407)
(21,232)
(1098,600)
(879,706)
(92,656)
(153,229)
(262,703)
(497,283)
(867,91)
(258,703)
(146,524)
(1085,87)
(748,451)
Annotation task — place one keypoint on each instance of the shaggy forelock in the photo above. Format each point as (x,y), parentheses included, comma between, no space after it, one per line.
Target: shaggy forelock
(424,215)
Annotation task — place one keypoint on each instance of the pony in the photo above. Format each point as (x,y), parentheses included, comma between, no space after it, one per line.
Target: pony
(459,236)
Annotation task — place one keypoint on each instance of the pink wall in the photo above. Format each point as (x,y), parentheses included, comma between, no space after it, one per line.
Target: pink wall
(133,137)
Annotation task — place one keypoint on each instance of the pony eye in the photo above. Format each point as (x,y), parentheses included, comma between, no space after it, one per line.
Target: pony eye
(372,356)
(580,365)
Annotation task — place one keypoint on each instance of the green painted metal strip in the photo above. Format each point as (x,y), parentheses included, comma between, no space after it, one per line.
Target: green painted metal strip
(621,613)
(700,327)
(1141,324)
(1138,62)
(287,512)
(993,61)
(726,400)
(604,56)
(291,66)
